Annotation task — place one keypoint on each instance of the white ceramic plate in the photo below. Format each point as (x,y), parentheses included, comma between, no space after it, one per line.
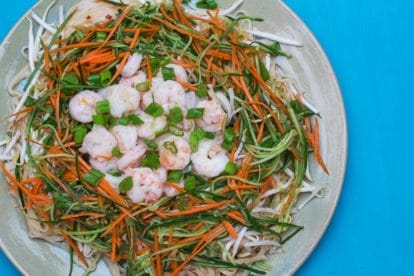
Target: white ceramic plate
(317,79)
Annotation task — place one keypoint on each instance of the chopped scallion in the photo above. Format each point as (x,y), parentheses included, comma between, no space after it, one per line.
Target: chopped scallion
(154,109)
(195,113)
(126,184)
(93,177)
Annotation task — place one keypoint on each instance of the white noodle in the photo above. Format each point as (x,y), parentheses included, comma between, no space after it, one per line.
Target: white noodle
(11,144)
(31,46)
(274,37)
(262,243)
(240,236)
(42,23)
(41,29)
(26,93)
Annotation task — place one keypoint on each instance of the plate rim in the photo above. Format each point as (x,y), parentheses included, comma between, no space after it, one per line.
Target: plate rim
(331,72)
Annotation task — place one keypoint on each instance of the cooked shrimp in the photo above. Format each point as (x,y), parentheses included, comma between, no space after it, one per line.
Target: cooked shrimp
(127,137)
(132,158)
(103,92)
(104,165)
(147,99)
(191,99)
(170,94)
(214,116)
(211,159)
(134,80)
(98,143)
(172,192)
(147,185)
(175,152)
(123,99)
(82,106)
(151,125)
(180,73)
(162,173)
(132,65)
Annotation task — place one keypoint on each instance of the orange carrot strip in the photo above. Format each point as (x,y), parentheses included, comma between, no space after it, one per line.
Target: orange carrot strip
(118,22)
(84,214)
(318,156)
(232,232)
(105,187)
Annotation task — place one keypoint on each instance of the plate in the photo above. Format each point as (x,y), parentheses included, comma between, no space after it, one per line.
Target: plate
(317,80)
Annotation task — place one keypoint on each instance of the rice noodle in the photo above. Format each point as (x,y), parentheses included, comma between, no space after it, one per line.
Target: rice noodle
(273,37)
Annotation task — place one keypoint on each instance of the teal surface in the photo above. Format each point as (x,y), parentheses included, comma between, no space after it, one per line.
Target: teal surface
(370,45)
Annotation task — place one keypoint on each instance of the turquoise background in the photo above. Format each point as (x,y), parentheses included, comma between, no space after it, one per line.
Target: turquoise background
(370,45)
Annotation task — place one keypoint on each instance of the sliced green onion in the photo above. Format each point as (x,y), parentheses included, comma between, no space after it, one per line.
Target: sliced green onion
(93,177)
(126,184)
(231,168)
(151,160)
(115,172)
(227,146)
(207,4)
(175,176)
(229,135)
(202,91)
(195,137)
(143,86)
(116,152)
(168,73)
(102,107)
(210,135)
(105,77)
(79,134)
(195,113)
(99,120)
(154,109)
(71,78)
(151,144)
(176,115)
(190,182)
(100,36)
(94,79)
(123,121)
(171,147)
(135,120)
(175,130)
(264,73)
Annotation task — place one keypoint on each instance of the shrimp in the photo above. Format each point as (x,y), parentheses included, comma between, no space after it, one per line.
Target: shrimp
(172,192)
(132,158)
(151,125)
(211,159)
(147,99)
(180,73)
(123,100)
(98,143)
(175,152)
(162,173)
(147,185)
(82,106)
(214,116)
(170,94)
(134,80)
(103,92)
(103,164)
(132,65)
(127,137)
(191,99)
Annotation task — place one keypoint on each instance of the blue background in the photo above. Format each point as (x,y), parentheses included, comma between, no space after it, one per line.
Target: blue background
(370,45)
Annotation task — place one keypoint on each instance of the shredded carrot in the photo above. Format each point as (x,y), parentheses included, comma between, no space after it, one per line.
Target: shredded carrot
(318,156)
(84,214)
(230,229)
